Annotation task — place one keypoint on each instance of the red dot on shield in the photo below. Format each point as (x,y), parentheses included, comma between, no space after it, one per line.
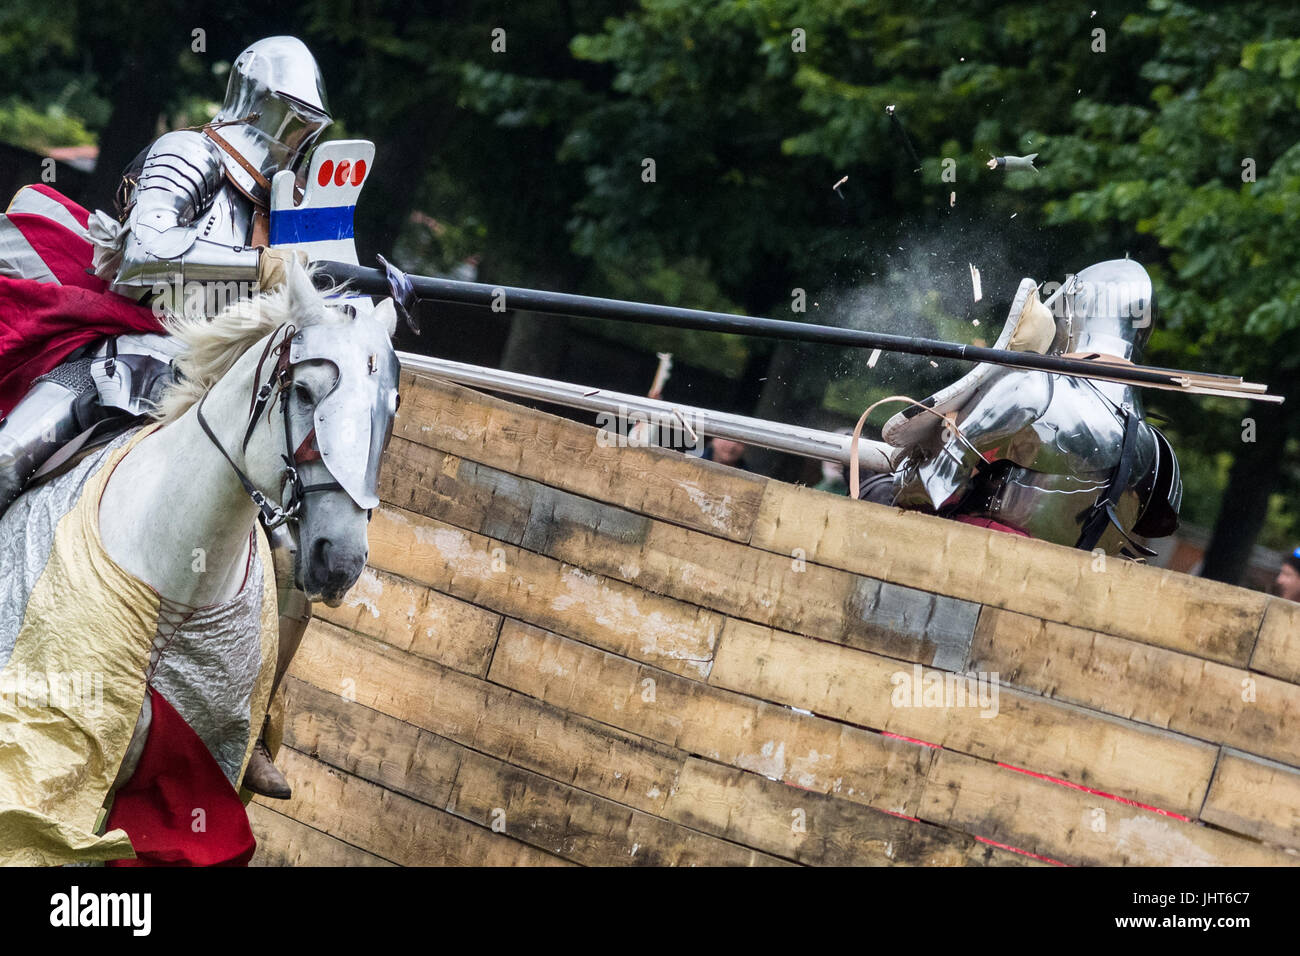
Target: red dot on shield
(358,172)
(326,172)
(341,174)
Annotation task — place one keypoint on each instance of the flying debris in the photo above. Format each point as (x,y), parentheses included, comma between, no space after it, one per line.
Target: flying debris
(975,281)
(907,142)
(1013,162)
(837,186)
(685,424)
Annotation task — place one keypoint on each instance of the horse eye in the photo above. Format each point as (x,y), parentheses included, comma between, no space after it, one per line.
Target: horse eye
(303,393)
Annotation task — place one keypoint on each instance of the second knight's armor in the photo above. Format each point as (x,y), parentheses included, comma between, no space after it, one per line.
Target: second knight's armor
(1065,459)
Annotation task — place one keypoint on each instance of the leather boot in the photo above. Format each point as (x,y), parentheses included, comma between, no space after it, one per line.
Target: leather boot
(262,777)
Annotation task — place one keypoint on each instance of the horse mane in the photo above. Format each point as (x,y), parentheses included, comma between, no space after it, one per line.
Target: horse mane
(211,347)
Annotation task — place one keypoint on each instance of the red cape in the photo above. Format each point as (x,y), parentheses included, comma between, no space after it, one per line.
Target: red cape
(42,323)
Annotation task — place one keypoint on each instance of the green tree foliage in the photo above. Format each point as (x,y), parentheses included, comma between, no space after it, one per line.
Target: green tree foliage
(1205,164)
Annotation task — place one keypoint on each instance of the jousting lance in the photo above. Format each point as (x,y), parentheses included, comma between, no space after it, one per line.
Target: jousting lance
(500,298)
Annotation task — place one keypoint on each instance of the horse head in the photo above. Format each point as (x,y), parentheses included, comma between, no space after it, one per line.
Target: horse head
(338,396)
(300,391)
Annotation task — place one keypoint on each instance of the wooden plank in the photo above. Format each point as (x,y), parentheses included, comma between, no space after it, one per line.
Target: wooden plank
(495,720)
(283,841)
(344,734)
(693,567)
(394,826)
(739,806)
(1200,617)
(1277,651)
(565,454)
(768,739)
(1256,797)
(588,829)
(1074,826)
(416,619)
(816,828)
(1085,747)
(519,583)
(552,816)
(1214,702)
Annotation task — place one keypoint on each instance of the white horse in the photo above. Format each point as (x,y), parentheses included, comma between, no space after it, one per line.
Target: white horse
(284,405)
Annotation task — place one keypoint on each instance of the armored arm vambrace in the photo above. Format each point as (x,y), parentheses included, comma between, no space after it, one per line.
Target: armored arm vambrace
(184,226)
(993,423)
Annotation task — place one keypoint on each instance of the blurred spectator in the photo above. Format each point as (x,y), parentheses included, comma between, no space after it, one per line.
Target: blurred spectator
(726,452)
(1287,584)
(833,479)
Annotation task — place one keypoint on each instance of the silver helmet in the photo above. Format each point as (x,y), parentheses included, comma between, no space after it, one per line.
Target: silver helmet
(1111,307)
(277,86)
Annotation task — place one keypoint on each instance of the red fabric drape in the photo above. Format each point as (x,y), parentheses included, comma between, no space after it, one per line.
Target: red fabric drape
(179,809)
(42,323)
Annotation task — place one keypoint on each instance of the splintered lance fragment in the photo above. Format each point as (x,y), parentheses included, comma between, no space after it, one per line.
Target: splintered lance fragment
(685,424)
(837,186)
(975,282)
(875,356)
(1013,162)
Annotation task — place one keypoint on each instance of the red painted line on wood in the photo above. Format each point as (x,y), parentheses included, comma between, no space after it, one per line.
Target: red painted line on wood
(912,740)
(901,816)
(1099,793)
(1016,849)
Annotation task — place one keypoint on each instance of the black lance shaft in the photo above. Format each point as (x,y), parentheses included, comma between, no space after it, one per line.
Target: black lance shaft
(373,282)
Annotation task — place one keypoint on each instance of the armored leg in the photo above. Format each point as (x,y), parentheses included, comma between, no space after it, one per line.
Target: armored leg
(44,420)
(262,776)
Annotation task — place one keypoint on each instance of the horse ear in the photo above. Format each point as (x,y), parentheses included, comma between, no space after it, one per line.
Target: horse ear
(302,293)
(386,315)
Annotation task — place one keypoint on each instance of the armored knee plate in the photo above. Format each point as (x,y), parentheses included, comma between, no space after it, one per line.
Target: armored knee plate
(47,417)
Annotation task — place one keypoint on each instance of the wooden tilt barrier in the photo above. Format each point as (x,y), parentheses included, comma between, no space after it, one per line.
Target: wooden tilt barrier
(566,653)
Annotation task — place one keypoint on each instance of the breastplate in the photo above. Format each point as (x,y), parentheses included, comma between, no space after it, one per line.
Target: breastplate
(1060,465)
(1032,457)
(229,220)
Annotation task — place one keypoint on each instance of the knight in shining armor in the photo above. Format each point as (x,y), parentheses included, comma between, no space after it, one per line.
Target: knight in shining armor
(193,222)
(1069,460)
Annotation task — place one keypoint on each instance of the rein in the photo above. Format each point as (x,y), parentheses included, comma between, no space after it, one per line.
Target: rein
(276,386)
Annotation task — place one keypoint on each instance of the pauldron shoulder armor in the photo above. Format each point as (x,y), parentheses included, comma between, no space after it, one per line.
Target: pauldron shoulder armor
(187,223)
(180,178)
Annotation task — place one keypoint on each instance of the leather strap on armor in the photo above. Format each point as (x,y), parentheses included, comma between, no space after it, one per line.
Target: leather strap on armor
(245,165)
(256,174)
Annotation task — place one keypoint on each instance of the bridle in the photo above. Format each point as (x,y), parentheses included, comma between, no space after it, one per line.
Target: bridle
(307,451)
